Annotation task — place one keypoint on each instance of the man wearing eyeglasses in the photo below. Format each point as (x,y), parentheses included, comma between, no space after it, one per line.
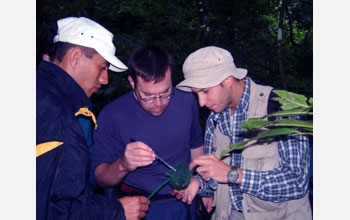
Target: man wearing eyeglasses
(162,119)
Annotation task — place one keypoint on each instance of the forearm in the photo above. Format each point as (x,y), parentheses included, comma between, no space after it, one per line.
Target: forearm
(110,174)
(274,187)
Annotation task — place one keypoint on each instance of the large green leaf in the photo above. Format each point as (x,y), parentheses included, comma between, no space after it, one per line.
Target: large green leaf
(291,98)
(254,123)
(292,123)
(285,104)
(234,146)
(266,134)
(276,132)
(291,112)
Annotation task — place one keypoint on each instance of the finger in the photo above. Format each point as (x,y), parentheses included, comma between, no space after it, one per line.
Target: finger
(140,158)
(185,196)
(144,200)
(192,164)
(142,214)
(200,161)
(189,200)
(202,170)
(173,192)
(144,208)
(178,195)
(139,145)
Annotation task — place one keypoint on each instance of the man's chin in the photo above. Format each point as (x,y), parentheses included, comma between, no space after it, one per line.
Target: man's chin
(156,113)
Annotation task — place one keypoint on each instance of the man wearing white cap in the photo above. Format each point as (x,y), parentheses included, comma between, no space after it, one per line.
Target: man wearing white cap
(264,181)
(84,51)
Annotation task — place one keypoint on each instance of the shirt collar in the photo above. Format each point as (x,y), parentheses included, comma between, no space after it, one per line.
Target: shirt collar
(242,106)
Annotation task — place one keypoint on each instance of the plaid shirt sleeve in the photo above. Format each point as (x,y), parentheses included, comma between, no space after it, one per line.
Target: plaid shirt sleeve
(290,180)
(205,189)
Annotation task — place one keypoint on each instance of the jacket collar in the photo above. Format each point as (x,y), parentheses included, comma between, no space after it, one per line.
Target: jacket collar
(69,87)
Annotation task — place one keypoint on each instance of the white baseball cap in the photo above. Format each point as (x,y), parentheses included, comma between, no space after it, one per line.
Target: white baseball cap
(208,67)
(85,32)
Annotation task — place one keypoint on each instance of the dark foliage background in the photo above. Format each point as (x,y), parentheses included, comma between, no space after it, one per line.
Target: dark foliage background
(273,39)
(248,29)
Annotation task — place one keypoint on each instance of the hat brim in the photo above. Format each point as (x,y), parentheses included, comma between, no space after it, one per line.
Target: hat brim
(115,64)
(208,82)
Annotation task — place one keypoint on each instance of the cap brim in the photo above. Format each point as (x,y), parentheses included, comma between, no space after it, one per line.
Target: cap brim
(115,64)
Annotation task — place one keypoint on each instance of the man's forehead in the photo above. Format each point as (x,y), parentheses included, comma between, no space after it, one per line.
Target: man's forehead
(101,59)
(152,86)
(199,89)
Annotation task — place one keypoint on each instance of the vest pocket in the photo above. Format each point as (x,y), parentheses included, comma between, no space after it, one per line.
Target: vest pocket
(261,157)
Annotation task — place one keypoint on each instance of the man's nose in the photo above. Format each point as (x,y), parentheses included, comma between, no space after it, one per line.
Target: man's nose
(104,77)
(201,99)
(157,101)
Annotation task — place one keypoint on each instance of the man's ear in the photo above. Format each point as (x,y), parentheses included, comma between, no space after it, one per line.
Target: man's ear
(228,81)
(131,81)
(75,57)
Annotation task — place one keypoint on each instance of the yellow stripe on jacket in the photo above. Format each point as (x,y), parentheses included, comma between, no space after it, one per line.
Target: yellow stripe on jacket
(46,147)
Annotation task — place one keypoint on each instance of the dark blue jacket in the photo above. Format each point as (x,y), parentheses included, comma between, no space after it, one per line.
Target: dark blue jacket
(62,172)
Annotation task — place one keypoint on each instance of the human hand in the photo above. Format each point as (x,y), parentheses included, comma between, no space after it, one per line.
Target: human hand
(135,207)
(137,154)
(188,194)
(209,166)
(208,201)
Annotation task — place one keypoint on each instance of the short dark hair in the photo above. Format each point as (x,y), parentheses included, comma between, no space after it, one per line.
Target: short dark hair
(63,47)
(150,62)
(47,46)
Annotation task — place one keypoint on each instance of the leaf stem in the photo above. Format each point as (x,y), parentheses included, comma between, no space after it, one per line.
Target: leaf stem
(159,187)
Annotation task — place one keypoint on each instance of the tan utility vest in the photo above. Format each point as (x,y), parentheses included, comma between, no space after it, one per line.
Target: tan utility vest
(261,157)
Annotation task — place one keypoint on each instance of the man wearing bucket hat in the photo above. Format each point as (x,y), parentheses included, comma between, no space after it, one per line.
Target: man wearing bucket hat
(265,180)
(83,52)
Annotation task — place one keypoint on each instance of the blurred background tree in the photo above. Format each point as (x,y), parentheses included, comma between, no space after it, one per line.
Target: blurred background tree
(270,38)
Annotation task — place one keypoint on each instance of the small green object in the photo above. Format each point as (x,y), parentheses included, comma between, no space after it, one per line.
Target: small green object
(182,177)
(178,180)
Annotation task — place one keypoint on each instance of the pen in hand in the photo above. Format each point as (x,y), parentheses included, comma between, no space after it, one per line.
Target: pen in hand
(158,158)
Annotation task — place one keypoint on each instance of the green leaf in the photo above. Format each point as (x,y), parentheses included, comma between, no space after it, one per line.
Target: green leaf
(290,112)
(309,129)
(293,99)
(181,177)
(234,146)
(253,123)
(293,123)
(239,145)
(285,104)
(223,152)
(311,101)
(276,132)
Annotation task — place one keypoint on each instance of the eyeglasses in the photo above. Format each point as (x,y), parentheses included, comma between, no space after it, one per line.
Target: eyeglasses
(151,99)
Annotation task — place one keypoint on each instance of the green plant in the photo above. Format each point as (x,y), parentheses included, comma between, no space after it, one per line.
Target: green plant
(292,104)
